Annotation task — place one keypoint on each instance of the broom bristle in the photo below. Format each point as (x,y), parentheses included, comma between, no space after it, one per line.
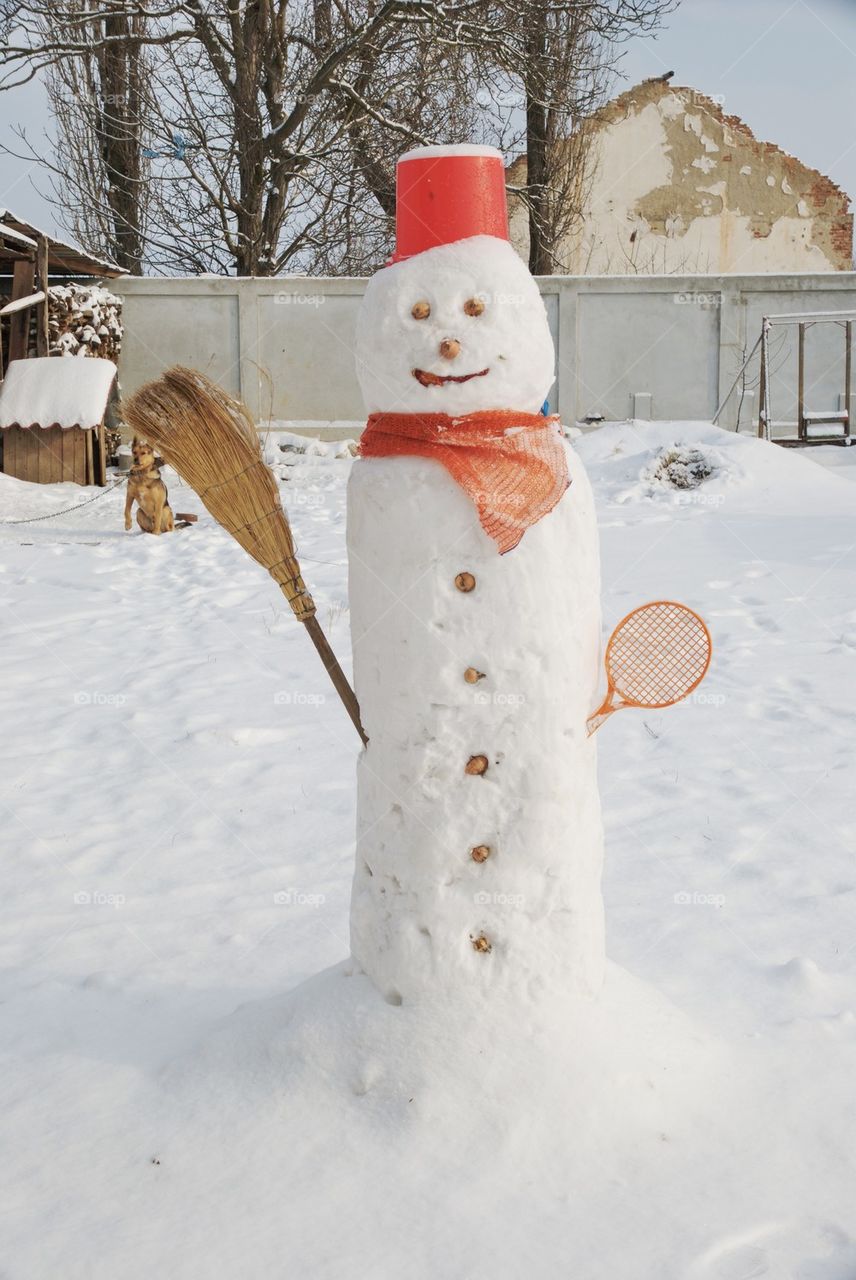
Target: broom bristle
(211,440)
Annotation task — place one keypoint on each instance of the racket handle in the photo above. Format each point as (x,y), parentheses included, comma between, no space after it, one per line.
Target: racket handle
(594,722)
(603,712)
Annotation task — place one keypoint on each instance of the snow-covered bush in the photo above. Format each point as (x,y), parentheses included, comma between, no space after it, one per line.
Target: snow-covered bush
(681,467)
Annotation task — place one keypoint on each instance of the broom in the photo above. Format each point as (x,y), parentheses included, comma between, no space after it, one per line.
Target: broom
(212,442)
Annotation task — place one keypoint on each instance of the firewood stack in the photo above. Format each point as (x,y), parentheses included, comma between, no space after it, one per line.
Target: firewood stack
(84,320)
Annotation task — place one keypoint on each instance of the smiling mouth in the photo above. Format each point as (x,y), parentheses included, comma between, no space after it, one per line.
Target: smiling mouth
(438,380)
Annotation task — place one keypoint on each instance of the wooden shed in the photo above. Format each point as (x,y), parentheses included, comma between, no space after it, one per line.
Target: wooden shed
(30,260)
(52,419)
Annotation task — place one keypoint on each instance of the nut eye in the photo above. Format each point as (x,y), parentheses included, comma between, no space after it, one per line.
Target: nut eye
(473,307)
(421,310)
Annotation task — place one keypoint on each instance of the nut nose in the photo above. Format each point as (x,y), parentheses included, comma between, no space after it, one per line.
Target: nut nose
(450,348)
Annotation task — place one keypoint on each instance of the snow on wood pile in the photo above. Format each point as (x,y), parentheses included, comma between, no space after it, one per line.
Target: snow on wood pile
(47,392)
(84,320)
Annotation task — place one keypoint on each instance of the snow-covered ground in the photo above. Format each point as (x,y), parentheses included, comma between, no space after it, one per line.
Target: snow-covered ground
(177,791)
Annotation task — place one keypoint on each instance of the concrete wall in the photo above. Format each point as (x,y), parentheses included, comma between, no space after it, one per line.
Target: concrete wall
(286,345)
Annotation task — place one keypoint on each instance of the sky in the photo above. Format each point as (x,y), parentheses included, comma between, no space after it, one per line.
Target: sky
(786,67)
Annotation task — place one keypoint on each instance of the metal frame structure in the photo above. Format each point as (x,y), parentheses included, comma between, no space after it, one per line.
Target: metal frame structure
(806,420)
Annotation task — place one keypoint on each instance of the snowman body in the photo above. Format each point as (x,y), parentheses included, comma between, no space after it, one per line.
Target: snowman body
(479,841)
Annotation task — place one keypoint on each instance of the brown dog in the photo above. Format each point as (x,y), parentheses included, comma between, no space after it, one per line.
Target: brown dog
(146,488)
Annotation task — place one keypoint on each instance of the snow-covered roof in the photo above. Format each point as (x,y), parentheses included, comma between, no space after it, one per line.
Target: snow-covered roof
(18,237)
(9,233)
(53,391)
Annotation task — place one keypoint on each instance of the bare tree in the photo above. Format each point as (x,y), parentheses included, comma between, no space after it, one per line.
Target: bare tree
(565,76)
(97,100)
(558,64)
(254,112)
(94,60)
(421,92)
(254,136)
(289,129)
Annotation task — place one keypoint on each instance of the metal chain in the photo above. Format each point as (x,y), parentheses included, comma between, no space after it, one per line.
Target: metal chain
(65,510)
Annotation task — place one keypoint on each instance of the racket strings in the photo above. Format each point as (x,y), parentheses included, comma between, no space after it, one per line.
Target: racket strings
(658,654)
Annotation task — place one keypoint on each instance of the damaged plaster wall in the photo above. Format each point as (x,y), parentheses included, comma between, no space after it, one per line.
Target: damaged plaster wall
(678,186)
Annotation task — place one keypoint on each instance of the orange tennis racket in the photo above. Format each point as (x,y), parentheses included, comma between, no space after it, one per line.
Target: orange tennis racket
(655,657)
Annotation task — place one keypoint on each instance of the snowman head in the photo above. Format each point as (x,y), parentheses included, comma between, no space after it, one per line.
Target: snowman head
(456,323)
(455,329)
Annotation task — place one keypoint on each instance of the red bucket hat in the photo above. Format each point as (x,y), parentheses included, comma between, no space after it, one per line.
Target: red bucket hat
(444,194)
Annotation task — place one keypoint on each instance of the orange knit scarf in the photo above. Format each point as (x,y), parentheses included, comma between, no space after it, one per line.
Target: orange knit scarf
(512,465)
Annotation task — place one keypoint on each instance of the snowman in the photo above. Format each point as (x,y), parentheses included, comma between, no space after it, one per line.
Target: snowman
(474,592)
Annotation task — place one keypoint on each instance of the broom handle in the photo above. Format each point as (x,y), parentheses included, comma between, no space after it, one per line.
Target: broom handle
(336,674)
